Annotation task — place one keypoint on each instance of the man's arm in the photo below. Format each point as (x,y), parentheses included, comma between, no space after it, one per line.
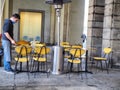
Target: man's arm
(9,37)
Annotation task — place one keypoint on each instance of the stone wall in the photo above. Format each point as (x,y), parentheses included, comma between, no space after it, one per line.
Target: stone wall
(95,26)
(104,28)
(111,31)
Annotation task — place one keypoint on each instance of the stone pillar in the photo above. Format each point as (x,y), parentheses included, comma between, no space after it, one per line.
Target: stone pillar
(6,9)
(95,27)
(4,13)
(111,31)
(2,2)
(52,20)
(64,24)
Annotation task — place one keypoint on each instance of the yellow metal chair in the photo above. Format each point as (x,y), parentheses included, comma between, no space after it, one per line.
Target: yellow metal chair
(22,55)
(75,59)
(105,57)
(68,47)
(40,59)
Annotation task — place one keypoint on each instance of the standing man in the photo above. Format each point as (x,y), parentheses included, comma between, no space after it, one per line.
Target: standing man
(7,40)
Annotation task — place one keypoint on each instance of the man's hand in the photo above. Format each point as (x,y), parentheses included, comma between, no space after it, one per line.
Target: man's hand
(13,42)
(9,37)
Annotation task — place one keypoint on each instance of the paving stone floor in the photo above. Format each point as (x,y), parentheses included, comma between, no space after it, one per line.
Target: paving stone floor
(39,81)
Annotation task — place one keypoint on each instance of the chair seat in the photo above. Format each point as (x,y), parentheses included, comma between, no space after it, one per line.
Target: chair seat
(67,56)
(67,49)
(99,58)
(40,59)
(39,45)
(74,61)
(21,59)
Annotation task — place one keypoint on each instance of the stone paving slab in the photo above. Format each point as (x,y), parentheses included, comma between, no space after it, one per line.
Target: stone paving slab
(96,81)
(57,88)
(50,88)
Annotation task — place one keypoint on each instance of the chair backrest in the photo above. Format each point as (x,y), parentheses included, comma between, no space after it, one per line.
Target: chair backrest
(42,50)
(23,50)
(107,52)
(64,43)
(77,52)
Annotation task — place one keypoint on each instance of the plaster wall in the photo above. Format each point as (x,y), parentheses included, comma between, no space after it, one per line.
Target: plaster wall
(34,5)
(76,21)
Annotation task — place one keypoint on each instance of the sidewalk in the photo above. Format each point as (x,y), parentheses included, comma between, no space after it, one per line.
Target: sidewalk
(99,81)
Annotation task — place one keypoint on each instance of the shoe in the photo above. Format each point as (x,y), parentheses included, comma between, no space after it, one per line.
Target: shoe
(9,71)
(12,69)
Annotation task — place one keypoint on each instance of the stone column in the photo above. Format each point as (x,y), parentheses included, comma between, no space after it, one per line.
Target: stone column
(4,13)
(2,2)
(1,21)
(111,31)
(52,20)
(64,24)
(95,27)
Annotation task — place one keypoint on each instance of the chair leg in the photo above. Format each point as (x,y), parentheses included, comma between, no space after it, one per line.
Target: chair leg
(92,63)
(20,66)
(16,66)
(96,66)
(79,66)
(33,66)
(68,69)
(107,66)
(28,69)
(27,66)
(41,66)
(101,65)
(109,63)
(38,66)
(47,69)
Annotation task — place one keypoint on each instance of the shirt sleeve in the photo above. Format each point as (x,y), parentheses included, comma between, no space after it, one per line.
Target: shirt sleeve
(6,27)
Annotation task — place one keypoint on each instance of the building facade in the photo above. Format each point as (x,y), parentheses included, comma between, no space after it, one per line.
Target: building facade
(100,24)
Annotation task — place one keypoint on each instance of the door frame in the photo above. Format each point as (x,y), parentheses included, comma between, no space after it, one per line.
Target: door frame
(43,21)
